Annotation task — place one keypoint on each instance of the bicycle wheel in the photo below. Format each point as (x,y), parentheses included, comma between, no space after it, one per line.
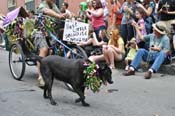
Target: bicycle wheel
(16,61)
(76,53)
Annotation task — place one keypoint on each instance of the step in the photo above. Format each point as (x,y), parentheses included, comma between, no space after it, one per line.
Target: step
(164,69)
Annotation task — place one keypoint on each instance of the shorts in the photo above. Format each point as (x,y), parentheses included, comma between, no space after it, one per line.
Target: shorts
(39,40)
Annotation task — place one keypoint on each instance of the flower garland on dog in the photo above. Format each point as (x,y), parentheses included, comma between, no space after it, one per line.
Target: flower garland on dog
(91,75)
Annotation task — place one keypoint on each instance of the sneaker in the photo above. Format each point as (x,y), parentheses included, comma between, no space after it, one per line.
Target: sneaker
(148,75)
(41,82)
(129,72)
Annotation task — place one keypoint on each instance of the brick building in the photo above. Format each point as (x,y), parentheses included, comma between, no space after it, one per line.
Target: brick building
(8,5)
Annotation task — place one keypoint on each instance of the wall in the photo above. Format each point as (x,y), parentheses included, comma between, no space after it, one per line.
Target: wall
(4,9)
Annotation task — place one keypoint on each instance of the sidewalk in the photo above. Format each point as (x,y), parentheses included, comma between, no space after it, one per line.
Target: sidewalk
(164,69)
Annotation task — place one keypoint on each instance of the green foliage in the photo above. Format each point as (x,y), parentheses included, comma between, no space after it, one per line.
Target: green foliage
(92,80)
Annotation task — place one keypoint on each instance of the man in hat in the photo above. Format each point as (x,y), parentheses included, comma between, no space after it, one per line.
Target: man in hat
(159,46)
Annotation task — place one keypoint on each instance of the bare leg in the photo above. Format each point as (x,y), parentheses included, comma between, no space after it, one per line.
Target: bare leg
(97,58)
(105,52)
(43,53)
(111,58)
(113,55)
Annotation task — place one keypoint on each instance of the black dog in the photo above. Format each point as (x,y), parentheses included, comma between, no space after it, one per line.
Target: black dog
(69,71)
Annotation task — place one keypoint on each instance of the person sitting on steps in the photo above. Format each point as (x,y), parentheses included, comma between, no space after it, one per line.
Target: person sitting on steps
(114,51)
(159,46)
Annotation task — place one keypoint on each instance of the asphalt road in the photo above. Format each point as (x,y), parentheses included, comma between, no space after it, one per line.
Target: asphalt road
(130,96)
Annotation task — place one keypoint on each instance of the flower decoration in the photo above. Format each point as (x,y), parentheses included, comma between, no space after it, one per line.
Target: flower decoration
(92,78)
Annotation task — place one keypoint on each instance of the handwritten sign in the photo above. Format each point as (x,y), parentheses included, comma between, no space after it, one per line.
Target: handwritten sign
(75,31)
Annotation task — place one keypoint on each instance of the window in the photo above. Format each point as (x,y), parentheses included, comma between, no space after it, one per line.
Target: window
(11,3)
(26,1)
(30,4)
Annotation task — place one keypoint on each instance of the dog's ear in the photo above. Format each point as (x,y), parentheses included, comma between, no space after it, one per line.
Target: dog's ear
(104,66)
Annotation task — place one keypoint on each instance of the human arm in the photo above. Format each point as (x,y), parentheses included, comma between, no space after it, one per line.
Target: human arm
(149,10)
(140,26)
(117,49)
(88,14)
(52,13)
(96,13)
(155,48)
(127,9)
(113,21)
(137,28)
(167,12)
(97,43)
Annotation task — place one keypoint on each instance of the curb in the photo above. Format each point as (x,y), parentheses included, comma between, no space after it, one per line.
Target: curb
(164,69)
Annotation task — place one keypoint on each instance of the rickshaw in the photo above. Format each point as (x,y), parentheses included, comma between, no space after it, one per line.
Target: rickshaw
(22,49)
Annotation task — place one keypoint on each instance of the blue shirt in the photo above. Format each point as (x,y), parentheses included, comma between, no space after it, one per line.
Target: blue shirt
(163,42)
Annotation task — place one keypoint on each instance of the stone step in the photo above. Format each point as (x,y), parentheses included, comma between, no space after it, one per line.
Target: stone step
(164,69)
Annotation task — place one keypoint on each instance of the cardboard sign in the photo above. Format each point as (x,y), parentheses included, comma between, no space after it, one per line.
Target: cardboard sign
(75,31)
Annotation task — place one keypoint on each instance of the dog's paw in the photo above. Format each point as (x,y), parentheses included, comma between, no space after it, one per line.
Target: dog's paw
(85,104)
(53,102)
(77,100)
(46,96)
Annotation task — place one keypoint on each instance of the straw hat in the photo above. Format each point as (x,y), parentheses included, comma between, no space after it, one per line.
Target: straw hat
(133,40)
(160,27)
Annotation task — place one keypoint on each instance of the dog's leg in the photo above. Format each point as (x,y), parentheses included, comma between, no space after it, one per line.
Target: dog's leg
(44,75)
(52,101)
(48,78)
(80,92)
(79,99)
(45,95)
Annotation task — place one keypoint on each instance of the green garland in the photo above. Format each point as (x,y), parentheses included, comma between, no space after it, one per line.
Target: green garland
(91,75)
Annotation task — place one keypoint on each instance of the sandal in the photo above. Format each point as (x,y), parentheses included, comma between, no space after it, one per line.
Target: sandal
(112,67)
(41,82)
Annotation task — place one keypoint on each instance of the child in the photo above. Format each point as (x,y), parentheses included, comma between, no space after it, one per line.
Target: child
(132,45)
(140,24)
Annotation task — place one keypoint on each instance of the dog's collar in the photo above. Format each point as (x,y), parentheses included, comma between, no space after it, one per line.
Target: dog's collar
(91,75)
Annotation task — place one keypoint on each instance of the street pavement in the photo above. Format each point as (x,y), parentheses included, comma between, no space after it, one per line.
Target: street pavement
(128,96)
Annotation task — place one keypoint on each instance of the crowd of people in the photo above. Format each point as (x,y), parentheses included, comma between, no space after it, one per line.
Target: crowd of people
(139,30)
